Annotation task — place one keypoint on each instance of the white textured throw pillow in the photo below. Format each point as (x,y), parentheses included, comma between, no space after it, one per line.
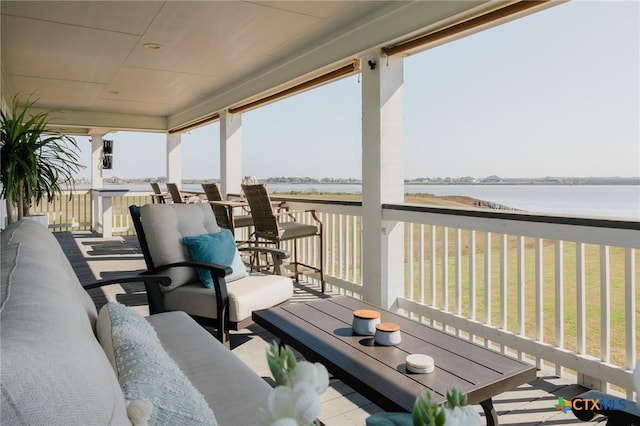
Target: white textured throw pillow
(149,377)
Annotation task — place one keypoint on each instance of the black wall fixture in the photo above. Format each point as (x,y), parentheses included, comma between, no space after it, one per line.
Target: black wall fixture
(107,154)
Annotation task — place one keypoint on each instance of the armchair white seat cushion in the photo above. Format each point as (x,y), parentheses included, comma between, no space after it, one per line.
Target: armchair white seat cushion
(257,291)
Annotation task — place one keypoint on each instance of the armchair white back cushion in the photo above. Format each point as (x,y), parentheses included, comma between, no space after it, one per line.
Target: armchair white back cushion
(164,226)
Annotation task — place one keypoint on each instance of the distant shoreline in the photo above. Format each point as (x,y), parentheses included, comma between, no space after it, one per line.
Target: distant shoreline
(331,181)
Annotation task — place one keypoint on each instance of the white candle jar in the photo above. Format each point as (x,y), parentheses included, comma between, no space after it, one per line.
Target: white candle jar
(388,334)
(365,321)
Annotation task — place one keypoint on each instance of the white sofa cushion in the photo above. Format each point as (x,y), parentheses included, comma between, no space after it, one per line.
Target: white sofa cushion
(53,370)
(257,291)
(147,373)
(232,389)
(164,226)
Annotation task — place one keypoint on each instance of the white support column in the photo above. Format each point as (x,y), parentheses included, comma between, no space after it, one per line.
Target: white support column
(96,161)
(382,179)
(174,158)
(230,152)
(96,179)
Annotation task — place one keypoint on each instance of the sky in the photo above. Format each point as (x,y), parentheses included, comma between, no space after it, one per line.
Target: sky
(555,93)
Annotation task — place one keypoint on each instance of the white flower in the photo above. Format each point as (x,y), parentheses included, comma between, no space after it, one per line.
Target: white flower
(284,422)
(297,406)
(462,416)
(315,375)
(307,404)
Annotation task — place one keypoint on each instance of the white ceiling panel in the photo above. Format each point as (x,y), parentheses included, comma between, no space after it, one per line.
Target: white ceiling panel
(88,57)
(64,52)
(59,94)
(157,86)
(319,9)
(222,38)
(129,17)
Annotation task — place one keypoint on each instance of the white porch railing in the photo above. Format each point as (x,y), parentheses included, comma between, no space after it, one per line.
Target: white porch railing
(548,289)
(104,211)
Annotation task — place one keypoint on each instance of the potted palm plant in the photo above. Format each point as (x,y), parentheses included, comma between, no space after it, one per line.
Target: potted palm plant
(35,162)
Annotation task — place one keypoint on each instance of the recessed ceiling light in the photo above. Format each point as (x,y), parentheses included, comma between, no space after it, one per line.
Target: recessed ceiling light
(152,46)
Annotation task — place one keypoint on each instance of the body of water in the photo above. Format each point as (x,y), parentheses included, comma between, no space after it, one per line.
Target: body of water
(618,201)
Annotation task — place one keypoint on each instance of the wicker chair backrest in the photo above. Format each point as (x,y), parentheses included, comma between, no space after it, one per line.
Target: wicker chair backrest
(175,192)
(156,188)
(212,191)
(264,220)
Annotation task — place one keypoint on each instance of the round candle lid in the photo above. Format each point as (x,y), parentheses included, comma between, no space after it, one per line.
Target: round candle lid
(366,314)
(388,327)
(419,363)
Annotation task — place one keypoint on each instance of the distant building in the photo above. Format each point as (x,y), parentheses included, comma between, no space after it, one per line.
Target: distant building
(467,179)
(493,179)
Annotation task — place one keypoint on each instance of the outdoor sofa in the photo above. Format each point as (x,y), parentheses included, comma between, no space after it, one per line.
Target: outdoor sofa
(56,371)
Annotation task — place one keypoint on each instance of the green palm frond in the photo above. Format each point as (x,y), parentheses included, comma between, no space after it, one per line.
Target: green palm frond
(35,162)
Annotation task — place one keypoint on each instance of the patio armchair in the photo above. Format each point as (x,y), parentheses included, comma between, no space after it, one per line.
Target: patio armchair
(268,227)
(186,244)
(224,213)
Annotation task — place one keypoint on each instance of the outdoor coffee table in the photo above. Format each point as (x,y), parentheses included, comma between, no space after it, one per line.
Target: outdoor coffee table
(321,332)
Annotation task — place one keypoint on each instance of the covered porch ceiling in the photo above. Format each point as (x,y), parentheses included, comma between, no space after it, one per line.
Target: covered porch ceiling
(161,65)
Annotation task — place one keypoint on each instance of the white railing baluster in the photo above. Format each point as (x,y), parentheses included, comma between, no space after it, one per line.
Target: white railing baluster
(347,242)
(521,290)
(340,246)
(559,298)
(605,309)
(630,309)
(432,265)
(503,285)
(445,269)
(410,260)
(539,276)
(354,252)
(487,278)
(421,264)
(333,244)
(581,341)
(487,282)
(458,272)
(472,275)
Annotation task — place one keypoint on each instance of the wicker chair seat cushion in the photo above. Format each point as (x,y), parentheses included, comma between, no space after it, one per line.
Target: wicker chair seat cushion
(165,225)
(257,291)
(290,230)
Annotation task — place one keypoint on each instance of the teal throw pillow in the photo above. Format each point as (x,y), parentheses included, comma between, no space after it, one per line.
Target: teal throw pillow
(220,248)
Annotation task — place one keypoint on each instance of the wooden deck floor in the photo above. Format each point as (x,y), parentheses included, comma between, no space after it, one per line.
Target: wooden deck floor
(94,257)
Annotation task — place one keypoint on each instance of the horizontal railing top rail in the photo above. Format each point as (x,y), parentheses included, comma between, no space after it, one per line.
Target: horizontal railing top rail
(606,231)
(601,222)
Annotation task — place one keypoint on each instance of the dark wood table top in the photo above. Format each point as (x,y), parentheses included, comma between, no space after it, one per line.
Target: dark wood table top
(321,332)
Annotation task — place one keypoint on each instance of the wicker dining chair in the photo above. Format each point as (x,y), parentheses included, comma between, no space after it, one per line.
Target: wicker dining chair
(269,228)
(158,197)
(224,216)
